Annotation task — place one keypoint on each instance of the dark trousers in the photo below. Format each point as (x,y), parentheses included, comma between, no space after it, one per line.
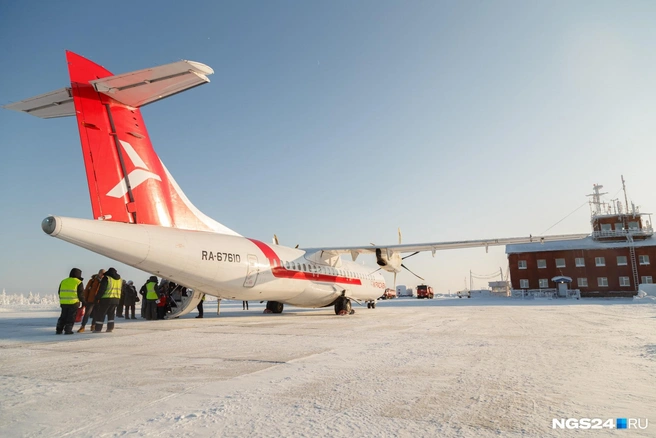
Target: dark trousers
(151,310)
(244,305)
(67,318)
(129,308)
(87,314)
(199,307)
(161,312)
(119,309)
(106,307)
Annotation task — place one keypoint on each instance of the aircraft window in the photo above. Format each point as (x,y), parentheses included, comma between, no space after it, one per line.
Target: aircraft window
(293,266)
(286,265)
(304,267)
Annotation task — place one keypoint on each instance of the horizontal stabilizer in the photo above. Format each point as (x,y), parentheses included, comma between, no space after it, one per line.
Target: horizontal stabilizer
(141,87)
(58,103)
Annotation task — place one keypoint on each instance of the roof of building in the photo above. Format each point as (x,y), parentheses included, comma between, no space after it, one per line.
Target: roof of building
(585,243)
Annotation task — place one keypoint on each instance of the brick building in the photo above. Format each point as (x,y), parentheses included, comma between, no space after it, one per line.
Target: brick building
(619,255)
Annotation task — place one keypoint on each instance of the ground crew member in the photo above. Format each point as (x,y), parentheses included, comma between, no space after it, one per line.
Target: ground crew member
(90,298)
(70,296)
(199,307)
(107,299)
(150,289)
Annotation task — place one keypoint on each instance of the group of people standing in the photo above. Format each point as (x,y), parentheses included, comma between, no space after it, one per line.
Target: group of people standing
(107,295)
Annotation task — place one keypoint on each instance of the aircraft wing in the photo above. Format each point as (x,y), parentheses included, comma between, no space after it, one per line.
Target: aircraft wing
(354,251)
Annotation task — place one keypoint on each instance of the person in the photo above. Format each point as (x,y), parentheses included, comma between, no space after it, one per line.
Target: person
(244,305)
(151,292)
(121,301)
(131,299)
(90,292)
(109,293)
(162,301)
(71,295)
(200,307)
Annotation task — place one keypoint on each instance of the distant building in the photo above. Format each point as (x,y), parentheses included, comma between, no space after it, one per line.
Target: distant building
(619,255)
(500,288)
(403,291)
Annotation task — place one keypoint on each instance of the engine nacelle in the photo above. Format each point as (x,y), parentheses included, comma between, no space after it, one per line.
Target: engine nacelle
(388,260)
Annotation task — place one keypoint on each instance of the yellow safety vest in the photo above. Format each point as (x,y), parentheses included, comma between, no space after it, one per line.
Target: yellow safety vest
(113,288)
(68,291)
(151,294)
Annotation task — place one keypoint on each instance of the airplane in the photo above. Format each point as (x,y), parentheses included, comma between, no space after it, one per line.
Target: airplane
(142,218)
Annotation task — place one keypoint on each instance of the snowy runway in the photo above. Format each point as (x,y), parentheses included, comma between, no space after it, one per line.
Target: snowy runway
(407,368)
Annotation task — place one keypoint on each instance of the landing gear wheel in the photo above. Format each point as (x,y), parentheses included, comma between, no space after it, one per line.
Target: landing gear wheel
(275,306)
(368,305)
(343,306)
(373,304)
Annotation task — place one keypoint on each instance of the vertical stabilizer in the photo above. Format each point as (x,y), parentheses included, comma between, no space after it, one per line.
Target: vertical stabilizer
(127,181)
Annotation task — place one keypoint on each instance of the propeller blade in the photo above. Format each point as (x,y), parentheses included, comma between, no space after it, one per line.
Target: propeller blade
(375,271)
(275,240)
(408,256)
(399,235)
(404,266)
(395,281)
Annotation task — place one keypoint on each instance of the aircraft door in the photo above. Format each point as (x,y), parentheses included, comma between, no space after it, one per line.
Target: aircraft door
(253,271)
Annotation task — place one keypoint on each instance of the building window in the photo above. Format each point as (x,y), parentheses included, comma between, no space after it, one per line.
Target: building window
(560,263)
(624,281)
(544,283)
(605,227)
(542,264)
(523,284)
(600,261)
(619,226)
(522,264)
(646,280)
(643,259)
(621,260)
(580,262)
(582,282)
(602,282)
(633,226)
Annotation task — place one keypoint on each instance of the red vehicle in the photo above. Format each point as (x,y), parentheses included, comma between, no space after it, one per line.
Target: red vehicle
(424,291)
(389,294)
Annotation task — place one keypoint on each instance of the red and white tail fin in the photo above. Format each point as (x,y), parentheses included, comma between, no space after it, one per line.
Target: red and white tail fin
(127,180)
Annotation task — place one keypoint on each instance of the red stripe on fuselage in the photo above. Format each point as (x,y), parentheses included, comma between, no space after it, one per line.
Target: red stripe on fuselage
(279,271)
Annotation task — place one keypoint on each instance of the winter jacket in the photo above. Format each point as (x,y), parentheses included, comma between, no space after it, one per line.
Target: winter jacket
(111,272)
(76,273)
(92,289)
(129,294)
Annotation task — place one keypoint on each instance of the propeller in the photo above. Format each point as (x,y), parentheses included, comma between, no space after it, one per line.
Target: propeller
(408,256)
(406,268)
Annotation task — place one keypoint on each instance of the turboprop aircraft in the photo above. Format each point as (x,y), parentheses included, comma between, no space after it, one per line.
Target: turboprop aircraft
(142,218)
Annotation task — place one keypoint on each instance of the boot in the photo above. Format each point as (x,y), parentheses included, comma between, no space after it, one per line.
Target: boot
(97,328)
(81,330)
(110,326)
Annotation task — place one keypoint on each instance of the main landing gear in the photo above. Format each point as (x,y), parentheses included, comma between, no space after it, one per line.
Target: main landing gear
(371,305)
(343,306)
(274,307)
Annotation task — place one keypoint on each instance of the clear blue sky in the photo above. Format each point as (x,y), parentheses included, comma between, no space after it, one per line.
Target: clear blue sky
(334,123)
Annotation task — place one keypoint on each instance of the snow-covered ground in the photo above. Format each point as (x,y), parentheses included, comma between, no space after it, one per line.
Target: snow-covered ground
(489,367)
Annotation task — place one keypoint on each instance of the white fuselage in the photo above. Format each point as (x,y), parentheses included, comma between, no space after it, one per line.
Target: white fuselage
(229,267)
